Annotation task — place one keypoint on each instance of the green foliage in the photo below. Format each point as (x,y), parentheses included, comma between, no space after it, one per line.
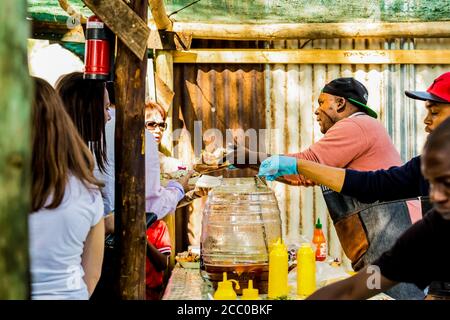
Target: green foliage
(277,11)
(15,150)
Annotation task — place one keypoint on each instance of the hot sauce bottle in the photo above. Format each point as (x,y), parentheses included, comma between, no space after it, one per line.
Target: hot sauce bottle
(320,242)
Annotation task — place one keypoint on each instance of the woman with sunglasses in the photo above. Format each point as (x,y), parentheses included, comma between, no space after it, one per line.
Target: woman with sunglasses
(155,122)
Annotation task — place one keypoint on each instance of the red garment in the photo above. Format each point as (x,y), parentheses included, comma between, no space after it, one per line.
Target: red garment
(157,235)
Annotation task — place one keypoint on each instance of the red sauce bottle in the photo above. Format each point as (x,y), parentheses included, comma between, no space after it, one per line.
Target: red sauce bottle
(320,242)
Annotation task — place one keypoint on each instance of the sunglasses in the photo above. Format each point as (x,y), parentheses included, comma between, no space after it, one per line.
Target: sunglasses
(151,125)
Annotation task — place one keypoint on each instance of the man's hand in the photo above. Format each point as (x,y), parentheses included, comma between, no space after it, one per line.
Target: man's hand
(242,158)
(184,181)
(277,166)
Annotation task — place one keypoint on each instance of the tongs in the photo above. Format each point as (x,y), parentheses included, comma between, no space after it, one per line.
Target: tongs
(260,179)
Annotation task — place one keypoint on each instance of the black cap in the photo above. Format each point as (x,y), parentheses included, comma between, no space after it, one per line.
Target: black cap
(352,90)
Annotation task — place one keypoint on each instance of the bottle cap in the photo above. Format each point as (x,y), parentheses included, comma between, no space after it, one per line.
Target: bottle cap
(250,293)
(318,224)
(279,245)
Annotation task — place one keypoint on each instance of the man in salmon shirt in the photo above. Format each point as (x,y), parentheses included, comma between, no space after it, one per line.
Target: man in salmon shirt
(353,139)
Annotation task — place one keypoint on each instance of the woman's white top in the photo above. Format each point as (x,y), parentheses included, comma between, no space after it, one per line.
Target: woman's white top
(57,238)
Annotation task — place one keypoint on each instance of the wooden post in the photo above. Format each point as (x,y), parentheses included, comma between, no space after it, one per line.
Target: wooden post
(164,70)
(15,150)
(130,167)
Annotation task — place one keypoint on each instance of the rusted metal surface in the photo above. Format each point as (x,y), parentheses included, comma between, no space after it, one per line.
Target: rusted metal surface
(220,96)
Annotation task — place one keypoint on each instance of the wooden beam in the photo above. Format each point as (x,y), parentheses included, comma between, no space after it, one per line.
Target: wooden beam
(278,31)
(15,150)
(159,14)
(164,73)
(130,167)
(317,56)
(128,26)
(169,40)
(65,5)
(299,31)
(47,30)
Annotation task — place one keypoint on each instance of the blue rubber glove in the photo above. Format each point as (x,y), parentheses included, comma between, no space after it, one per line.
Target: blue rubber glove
(276,166)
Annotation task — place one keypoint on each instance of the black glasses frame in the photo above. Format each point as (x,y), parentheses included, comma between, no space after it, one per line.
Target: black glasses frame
(151,125)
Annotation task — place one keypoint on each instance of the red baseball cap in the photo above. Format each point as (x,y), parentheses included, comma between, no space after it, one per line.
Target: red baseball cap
(438,92)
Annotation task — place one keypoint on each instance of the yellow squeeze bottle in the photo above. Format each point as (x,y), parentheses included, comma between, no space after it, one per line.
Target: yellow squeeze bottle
(278,270)
(250,293)
(225,289)
(306,270)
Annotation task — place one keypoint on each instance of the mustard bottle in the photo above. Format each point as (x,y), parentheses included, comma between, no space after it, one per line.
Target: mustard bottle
(306,270)
(250,293)
(225,289)
(278,270)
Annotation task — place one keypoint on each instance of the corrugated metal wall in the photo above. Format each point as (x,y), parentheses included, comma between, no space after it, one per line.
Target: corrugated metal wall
(290,95)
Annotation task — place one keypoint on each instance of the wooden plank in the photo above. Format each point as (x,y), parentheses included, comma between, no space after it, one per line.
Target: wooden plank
(304,31)
(128,26)
(287,56)
(169,40)
(15,151)
(56,32)
(164,95)
(164,71)
(440,29)
(130,168)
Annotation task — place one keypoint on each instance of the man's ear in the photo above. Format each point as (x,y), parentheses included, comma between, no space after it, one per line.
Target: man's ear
(340,104)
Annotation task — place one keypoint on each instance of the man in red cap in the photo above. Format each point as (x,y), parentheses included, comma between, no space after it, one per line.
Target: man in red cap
(420,255)
(437,101)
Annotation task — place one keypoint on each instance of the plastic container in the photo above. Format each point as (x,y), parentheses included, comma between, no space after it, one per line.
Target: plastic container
(320,242)
(241,220)
(250,293)
(225,289)
(278,271)
(306,270)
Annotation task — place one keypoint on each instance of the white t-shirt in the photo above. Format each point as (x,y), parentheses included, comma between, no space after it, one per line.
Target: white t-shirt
(57,239)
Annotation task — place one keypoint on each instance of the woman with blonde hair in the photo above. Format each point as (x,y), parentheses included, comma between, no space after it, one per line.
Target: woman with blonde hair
(66,228)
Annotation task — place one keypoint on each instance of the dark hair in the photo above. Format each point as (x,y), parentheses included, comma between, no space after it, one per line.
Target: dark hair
(439,139)
(156,106)
(111,92)
(84,101)
(58,150)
